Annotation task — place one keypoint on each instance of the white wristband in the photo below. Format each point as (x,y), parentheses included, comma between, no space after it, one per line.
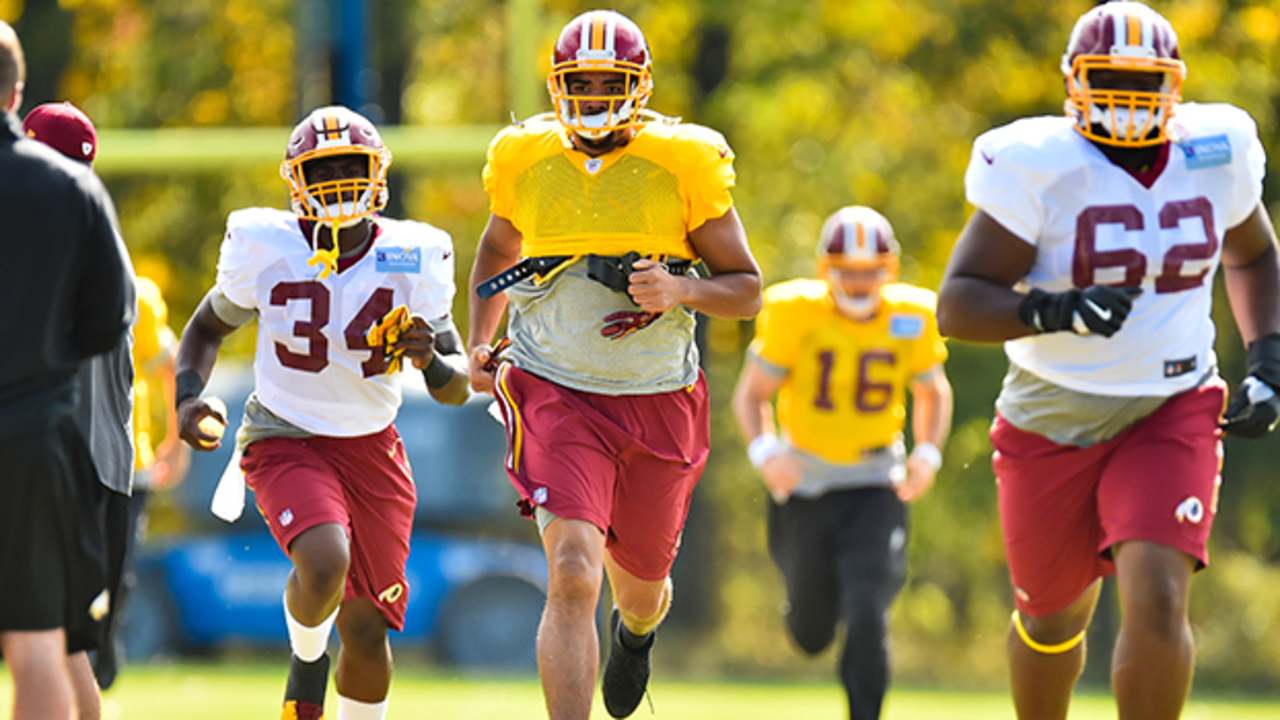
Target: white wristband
(929,453)
(764,447)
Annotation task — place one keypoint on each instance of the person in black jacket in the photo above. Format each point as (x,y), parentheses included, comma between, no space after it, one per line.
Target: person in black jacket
(68,297)
(105,417)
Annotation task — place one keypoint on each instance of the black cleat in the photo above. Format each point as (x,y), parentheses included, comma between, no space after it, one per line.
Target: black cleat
(304,694)
(626,674)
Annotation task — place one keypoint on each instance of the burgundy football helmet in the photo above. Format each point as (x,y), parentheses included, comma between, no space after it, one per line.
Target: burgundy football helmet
(1128,37)
(857,238)
(329,132)
(601,41)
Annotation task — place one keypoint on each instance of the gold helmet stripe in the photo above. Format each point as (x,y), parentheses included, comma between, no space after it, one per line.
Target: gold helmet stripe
(597,34)
(1134,31)
(331,130)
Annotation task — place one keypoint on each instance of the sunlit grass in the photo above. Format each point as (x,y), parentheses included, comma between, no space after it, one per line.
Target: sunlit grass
(236,690)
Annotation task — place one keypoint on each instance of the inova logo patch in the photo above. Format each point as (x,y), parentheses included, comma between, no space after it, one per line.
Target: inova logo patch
(1207,152)
(398,260)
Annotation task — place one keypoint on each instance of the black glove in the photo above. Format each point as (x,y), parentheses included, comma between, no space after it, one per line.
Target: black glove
(1095,310)
(1254,409)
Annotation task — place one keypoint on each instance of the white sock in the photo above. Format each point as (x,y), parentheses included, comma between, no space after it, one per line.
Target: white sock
(308,643)
(349,709)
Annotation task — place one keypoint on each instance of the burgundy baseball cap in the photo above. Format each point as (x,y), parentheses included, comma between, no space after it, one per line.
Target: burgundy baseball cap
(63,127)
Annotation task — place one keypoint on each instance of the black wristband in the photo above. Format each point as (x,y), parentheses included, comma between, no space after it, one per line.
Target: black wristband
(188,384)
(1264,359)
(439,373)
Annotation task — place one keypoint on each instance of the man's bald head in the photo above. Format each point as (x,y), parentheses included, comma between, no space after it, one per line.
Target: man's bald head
(13,68)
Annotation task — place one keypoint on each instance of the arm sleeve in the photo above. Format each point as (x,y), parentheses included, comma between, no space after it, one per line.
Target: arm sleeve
(775,345)
(996,184)
(105,302)
(710,178)
(1248,173)
(432,297)
(237,277)
(498,183)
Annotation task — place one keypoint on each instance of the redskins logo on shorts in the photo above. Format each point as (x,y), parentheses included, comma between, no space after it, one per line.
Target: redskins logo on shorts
(1190,510)
(392,594)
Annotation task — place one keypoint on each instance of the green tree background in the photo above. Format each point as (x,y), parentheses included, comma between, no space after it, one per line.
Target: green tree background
(827,103)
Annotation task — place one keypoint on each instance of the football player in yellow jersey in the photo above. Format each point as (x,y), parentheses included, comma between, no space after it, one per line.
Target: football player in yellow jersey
(840,352)
(160,457)
(597,212)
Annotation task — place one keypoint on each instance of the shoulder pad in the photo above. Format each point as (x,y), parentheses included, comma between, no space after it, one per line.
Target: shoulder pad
(247,220)
(415,232)
(1196,120)
(902,296)
(690,138)
(799,293)
(1040,143)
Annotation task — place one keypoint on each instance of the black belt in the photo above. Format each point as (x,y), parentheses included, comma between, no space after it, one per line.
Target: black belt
(613,271)
(521,270)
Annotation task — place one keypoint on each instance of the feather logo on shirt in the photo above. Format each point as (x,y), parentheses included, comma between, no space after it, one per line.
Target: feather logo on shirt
(1207,152)
(398,260)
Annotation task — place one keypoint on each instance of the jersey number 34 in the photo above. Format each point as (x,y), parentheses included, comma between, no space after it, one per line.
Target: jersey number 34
(317,296)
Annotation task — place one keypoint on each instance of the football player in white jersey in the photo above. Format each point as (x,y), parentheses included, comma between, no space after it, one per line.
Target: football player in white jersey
(1091,256)
(342,295)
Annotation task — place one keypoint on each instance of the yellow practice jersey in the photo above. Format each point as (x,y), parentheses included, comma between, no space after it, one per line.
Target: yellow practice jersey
(846,381)
(152,340)
(646,196)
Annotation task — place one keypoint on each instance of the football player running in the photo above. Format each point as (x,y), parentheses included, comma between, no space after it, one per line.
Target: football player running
(840,352)
(1092,255)
(342,295)
(597,212)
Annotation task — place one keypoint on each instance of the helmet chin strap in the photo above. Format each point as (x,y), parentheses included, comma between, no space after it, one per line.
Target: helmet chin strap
(327,259)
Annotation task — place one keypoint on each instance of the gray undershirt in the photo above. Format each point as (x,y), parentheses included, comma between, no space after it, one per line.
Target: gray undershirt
(879,467)
(557,332)
(1031,403)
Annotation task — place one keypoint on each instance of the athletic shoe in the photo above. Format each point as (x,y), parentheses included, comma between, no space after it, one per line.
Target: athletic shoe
(304,694)
(626,675)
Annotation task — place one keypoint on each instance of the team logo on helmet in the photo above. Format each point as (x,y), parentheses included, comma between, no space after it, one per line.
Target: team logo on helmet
(601,41)
(1124,37)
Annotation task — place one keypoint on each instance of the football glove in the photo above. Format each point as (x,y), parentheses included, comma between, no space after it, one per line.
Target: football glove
(1095,310)
(386,333)
(1254,409)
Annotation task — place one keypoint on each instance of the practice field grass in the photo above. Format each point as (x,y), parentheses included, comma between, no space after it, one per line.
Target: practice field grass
(235,691)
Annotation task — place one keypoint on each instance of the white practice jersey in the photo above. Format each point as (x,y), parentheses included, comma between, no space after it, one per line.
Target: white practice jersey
(313,366)
(1092,222)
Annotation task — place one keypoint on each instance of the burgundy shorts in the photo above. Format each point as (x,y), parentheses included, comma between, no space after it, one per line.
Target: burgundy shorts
(626,464)
(361,483)
(1062,507)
